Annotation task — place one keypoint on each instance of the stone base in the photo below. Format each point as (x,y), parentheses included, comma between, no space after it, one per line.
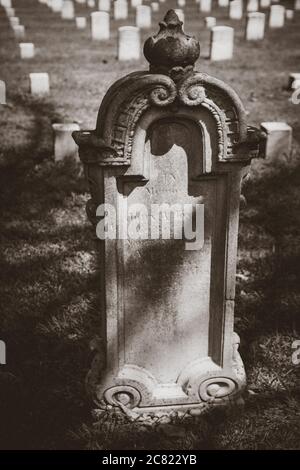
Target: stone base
(201,385)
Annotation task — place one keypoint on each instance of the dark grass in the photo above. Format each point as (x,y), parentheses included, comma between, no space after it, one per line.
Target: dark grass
(49,277)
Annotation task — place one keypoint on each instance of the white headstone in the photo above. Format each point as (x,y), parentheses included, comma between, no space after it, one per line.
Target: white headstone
(297,5)
(181,3)
(91,3)
(294,81)
(67,11)
(255,27)
(155,6)
(205,5)
(6,3)
(143,16)
(57,5)
(10,12)
(252,5)
(39,84)
(277,16)
(210,22)
(265,3)
(223,3)
(100,25)
(64,144)
(19,31)
(81,22)
(120,10)
(26,50)
(289,14)
(221,45)
(279,140)
(104,5)
(129,47)
(2,92)
(135,3)
(236,10)
(14,21)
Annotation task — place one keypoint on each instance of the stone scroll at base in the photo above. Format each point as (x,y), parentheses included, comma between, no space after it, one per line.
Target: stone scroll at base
(168,136)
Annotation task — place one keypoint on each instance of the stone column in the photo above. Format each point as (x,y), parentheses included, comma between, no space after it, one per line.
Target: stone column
(221,43)
(167,296)
(255,27)
(277,16)
(100,25)
(129,43)
(143,16)
(236,9)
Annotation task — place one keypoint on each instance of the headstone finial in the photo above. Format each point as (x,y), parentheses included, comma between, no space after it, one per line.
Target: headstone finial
(171,48)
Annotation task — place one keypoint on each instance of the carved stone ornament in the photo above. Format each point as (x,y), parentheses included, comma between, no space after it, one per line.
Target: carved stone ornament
(170,134)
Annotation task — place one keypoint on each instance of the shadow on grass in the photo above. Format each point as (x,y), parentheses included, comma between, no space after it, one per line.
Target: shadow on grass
(48,291)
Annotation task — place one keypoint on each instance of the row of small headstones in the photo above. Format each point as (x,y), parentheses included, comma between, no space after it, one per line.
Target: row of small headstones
(64,144)
(222,37)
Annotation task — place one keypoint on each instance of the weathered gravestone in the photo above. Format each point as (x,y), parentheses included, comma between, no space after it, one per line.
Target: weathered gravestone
(255,26)
(2,92)
(128,43)
(236,10)
(205,5)
(210,22)
(168,136)
(120,10)
(81,22)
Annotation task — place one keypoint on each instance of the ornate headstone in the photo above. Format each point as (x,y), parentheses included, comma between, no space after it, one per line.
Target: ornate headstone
(170,135)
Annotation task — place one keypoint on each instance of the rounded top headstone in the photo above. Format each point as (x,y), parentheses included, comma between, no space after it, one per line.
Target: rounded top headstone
(171,47)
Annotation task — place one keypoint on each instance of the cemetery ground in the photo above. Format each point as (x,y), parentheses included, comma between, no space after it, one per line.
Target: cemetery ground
(49,298)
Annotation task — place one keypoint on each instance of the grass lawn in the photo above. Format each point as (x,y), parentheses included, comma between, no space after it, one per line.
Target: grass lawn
(48,263)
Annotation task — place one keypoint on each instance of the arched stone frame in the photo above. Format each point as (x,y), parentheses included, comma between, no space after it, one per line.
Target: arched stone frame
(220,367)
(172,88)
